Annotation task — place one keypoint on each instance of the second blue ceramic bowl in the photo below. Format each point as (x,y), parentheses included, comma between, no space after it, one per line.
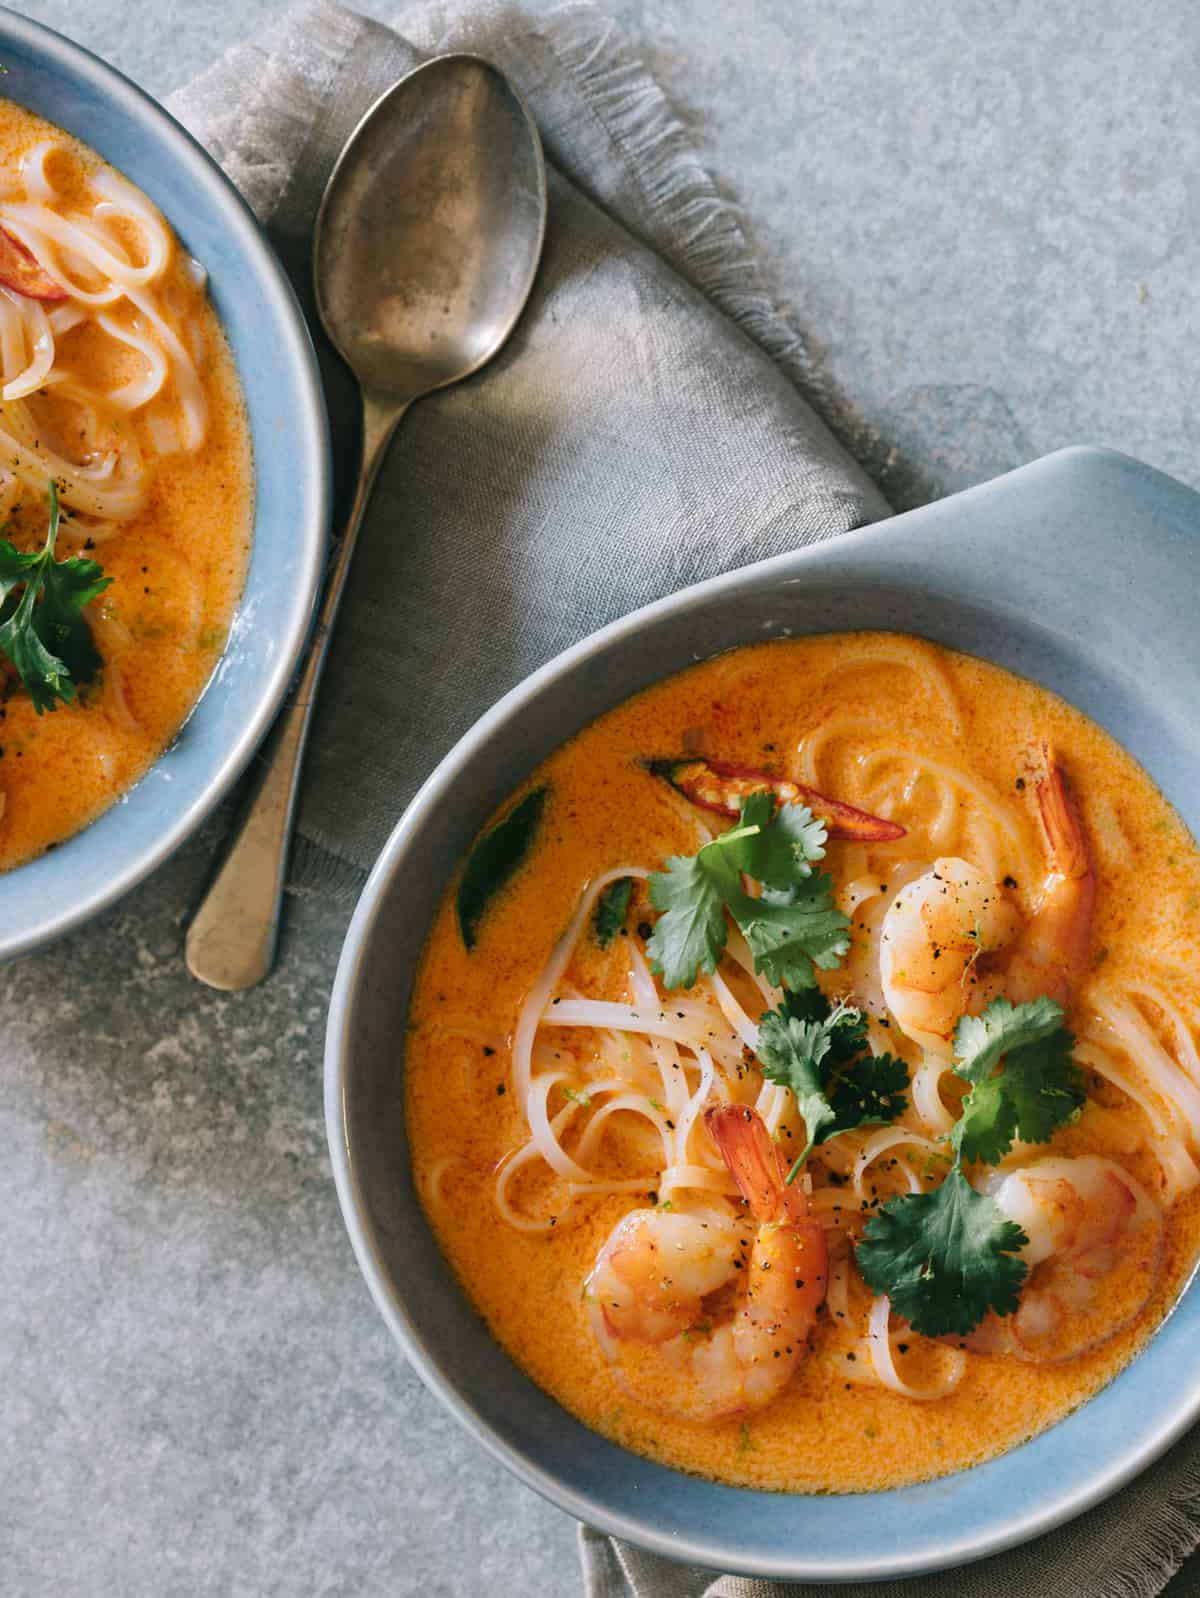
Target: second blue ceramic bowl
(65,84)
(1079,572)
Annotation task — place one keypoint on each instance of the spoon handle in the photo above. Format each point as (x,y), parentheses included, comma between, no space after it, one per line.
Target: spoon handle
(231,940)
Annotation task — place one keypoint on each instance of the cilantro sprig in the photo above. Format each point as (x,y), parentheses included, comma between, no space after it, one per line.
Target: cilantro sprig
(945,1258)
(43,631)
(1039,1088)
(793,927)
(819,1051)
(949,1256)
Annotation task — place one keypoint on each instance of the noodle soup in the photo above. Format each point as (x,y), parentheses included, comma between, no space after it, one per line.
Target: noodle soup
(802,1073)
(120,406)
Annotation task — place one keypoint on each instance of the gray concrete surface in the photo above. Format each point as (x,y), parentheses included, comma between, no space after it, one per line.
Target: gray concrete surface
(987,218)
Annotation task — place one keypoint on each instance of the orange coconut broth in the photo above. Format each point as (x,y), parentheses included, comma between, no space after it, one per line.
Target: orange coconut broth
(858,704)
(177,564)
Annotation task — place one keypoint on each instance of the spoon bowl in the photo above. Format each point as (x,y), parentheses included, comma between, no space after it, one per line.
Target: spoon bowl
(431,228)
(427,243)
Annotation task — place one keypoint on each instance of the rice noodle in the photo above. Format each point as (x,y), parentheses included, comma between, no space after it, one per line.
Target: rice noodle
(733,1012)
(837,1291)
(955,777)
(1185,1044)
(677,1020)
(539,995)
(435,1176)
(879,1142)
(1131,1029)
(517,1161)
(879,1345)
(137,305)
(33,171)
(699,1177)
(1167,1136)
(544,1137)
(138,391)
(927,1097)
(908,654)
(26,330)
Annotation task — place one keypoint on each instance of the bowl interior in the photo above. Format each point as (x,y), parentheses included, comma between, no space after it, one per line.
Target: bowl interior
(66,85)
(989,573)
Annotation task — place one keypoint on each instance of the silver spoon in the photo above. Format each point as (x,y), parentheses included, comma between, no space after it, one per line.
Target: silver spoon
(426,245)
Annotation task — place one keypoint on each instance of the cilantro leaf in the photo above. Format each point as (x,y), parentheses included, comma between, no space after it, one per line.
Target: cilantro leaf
(1045,1086)
(43,632)
(67,586)
(1037,1087)
(873,1091)
(791,1053)
(611,909)
(779,854)
(984,1129)
(981,1040)
(792,928)
(944,1258)
(848,1038)
(690,934)
(791,938)
(818,1051)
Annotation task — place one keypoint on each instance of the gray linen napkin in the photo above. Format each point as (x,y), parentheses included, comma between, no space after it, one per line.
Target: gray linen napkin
(643,429)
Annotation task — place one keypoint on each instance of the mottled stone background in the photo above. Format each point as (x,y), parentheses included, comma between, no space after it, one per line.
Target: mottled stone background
(986,217)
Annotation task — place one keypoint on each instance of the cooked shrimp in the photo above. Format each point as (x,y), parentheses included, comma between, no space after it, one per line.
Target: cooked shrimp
(952,940)
(706,1316)
(1094,1252)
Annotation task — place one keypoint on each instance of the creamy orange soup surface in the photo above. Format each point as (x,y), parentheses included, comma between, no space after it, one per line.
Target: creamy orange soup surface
(138,418)
(952,749)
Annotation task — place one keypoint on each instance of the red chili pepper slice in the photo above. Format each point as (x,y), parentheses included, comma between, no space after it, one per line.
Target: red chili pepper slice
(21,272)
(718,786)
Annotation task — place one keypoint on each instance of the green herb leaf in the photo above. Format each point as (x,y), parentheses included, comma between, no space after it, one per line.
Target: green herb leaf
(819,1051)
(495,859)
(794,937)
(68,586)
(791,1053)
(944,1258)
(981,1040)
(611,909)
(780,853)
(873,1091)
(43,631)
(794,926)
(690,934)
(1025,1083)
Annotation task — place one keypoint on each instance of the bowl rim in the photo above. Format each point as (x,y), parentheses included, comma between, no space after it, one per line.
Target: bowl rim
(710,1552)
(109,85)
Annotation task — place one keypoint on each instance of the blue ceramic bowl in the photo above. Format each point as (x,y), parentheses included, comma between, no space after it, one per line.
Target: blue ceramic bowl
(1079,572)
(70,87)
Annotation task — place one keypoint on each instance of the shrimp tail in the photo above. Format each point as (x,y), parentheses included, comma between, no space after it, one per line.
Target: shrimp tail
(1065,834)
(755,1163)
(1053,953)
